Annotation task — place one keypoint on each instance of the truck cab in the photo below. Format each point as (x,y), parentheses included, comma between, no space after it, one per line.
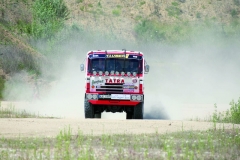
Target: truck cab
(114,82)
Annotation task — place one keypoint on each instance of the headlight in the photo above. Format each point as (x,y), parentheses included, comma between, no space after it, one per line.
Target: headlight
(122,73)
(128,73)
(89,96)
(100,73)
(94,96)
(139,98)
(106,73)
(117,73)
(134,97)
(94,73)
(134,74)
(112,73)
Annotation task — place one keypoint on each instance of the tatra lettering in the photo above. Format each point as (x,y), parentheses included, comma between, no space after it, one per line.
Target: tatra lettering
(114,80)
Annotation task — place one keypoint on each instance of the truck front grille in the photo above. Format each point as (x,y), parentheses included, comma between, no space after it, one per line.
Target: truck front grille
(110,88)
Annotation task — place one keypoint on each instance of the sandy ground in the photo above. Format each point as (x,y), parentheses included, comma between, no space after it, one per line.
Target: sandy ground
(34,127)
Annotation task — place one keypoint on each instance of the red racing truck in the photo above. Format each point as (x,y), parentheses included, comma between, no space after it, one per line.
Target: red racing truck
(114,82)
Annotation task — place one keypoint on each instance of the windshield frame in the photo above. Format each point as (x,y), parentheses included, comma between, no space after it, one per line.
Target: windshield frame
(93,64)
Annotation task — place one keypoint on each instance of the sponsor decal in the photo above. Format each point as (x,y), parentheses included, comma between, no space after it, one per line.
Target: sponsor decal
(134,80)
(114,80)
(117,55)
(96,81)
(95,55)
(93,86)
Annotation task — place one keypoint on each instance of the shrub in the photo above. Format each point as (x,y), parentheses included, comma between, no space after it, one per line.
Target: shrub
(79,1)
(90,5)
(48,17)
(116,12)
(2,81)
(173,11)
(198,15)
(14,60)
(150,30)
(142,3)
(182,1)
(236,2)
(235,111)
(232,115)
(82,8)
(99,4)
(234,13)
(175,4)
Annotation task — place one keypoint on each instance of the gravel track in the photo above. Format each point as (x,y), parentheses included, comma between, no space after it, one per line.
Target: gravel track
(37,127)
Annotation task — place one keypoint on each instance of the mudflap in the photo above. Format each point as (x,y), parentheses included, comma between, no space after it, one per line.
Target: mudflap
(129,115)
(138,111)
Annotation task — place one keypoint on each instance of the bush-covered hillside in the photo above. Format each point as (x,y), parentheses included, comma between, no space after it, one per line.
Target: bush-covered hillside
(33,31)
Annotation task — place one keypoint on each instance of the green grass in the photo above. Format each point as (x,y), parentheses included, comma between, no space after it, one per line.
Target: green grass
(211,144)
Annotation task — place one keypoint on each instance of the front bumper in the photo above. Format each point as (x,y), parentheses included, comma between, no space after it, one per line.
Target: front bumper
(114,99)
(114,102)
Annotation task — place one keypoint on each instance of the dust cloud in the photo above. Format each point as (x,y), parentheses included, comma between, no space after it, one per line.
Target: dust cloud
(185,81)
(188,80)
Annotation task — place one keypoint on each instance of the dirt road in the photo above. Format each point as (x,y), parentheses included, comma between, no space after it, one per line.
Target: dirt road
(36,127)
(109,124)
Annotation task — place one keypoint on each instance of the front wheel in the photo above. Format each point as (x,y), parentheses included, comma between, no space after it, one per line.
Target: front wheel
(138,111)
(89,109)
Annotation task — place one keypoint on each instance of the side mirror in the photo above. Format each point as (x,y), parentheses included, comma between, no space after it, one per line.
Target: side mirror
(82,67)
(147,68)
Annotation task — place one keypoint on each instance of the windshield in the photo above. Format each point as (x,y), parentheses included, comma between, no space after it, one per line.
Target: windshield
(115,64)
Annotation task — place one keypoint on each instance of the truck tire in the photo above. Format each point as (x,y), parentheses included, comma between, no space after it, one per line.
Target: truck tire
(88,108)
(138,111)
